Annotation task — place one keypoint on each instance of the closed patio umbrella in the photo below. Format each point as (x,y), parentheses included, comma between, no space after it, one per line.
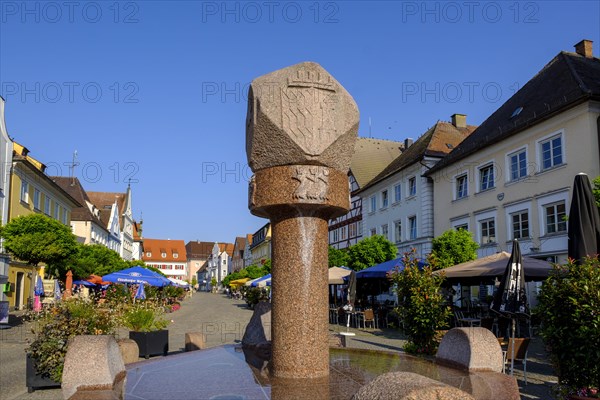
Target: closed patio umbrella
(584,221)
(38,291)
(510,299)
(140,293)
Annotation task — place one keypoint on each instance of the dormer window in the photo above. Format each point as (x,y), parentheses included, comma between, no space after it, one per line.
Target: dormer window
(148,254)
(175,255)
(164,255)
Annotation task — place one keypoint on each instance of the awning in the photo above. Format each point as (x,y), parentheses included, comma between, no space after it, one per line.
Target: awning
(238,282)
(491,267)
(337,274)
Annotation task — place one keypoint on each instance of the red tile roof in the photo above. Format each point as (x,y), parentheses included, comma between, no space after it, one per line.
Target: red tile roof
(168,247)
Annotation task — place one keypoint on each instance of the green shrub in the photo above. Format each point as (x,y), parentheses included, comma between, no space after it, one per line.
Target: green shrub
(569,309)
(144,318)
(55,326)
(420,305)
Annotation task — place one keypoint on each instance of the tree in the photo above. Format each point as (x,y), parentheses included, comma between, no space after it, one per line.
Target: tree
(95,259)
(453,247)
(420,305)
(371,251)
(338,258)
(37,238)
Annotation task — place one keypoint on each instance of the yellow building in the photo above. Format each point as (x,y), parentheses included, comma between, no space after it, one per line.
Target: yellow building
(32,191)
(261,245)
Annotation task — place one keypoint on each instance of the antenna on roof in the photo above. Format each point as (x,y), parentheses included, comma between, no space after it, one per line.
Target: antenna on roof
(370,127)
(72,167)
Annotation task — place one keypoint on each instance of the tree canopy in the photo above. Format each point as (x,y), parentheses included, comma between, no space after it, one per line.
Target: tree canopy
(251,271)
(371,251)
(338,258)
(37,238)
(95,259)
(453,247)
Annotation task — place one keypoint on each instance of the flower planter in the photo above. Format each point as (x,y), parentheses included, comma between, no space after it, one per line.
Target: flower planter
(34,380)
(151,343)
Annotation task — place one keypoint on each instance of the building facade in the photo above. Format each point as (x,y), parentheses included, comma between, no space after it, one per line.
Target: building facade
(198,254)
(399,201)
(85,220)
(219,262)
(32,192)
(260,248)
(6,151)
(512,178)
(169,256)
(370,157)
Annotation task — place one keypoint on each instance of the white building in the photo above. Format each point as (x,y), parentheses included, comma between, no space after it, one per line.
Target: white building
(398,203)
(167,255)
(512,178)
(219,261)
(370,157)
(6,151)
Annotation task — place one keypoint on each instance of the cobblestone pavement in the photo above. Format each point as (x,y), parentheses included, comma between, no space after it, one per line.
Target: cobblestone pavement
(223,320)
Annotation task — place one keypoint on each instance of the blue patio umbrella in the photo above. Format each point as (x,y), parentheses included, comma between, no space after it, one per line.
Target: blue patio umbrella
(381,270)
(39,286)
(140,294)
(137,275)
(84,283)
(262,281)
(57,292)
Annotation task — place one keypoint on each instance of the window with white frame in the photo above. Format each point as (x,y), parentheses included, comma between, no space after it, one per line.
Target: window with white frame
(398,231)
(148,254)
(555,218)
(47,205)
(373,203)
(163,255)
(64,216)
(488,231)
(36,199)
(486,177)
(56,210)
(24,191)
(517,165)
(520,224)
(551,152)
(384,199)
(343,232)
(175,255)
(412,186)
(373,231)
(384,231)
(335,235)
(462,187)
(397,193)
(352,230)
(412,224)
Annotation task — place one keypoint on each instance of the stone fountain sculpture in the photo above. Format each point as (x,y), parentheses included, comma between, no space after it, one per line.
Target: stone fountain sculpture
(301,128)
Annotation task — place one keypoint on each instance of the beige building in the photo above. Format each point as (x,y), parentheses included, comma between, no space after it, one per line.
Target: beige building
(512,178)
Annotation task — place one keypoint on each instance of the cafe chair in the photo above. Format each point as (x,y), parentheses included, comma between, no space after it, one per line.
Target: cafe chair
(521,345)
(368,316)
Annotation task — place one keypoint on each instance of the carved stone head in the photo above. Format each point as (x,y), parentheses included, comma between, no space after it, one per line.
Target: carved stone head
(300,115)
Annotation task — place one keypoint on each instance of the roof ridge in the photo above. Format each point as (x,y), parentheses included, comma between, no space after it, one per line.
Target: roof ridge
(569,63)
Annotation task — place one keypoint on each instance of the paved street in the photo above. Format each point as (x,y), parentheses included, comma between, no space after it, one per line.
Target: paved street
(223,320)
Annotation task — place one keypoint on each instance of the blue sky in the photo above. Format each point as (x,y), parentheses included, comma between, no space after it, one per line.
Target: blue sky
(156,91)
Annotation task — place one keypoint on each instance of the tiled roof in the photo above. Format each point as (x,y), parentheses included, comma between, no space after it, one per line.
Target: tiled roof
(73,187)
(567,80)
(101,199)
(371,156)
(170,247)
(196,249)
(226,247)
(240,244)
(137,231)
(436,142)
(249,239)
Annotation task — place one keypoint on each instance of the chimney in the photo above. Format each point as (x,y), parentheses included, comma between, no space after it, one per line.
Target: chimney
(407,143)
(584,48)
(459,120)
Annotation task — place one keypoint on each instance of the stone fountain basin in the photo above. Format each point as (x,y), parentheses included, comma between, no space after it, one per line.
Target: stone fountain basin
(223,373)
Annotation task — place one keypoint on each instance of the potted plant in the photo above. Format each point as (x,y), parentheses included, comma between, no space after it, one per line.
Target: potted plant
(568,309)
(147,329)
(54,327)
